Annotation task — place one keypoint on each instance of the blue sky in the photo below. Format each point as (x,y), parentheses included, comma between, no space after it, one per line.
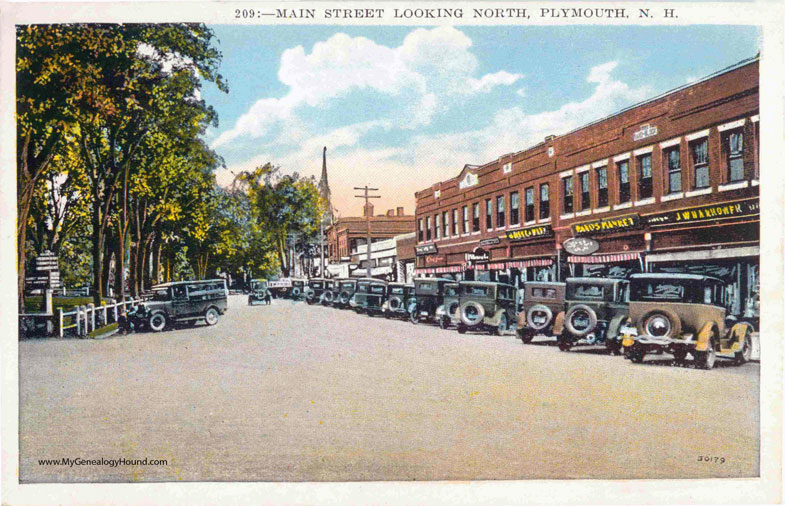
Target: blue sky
(404,107)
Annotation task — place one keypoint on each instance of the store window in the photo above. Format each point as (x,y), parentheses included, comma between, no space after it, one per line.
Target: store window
(446,224)
(529,204)
(437,226)
(645,186)
(465,220)
(568,197)
(419,230)
(515,206)
(499,211)
(585,191)
(428,228)
(700,162)
(624,181)
(454,222)
(602,187)
(673,161)
(545,202)
(488,214)
(476,217)
(735,149)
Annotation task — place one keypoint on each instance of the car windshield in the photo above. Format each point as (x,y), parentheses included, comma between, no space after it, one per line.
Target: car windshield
(161,294)
(481,291)
(588,292)
(362,287)
(258,285)
(661,291)
(451,291)
(316,284)
(396,290)
(377,289)
(670,290)
(544,293)
(426,287)
(347,285)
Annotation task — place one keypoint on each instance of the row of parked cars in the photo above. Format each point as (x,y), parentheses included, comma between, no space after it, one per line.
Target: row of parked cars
(680,314)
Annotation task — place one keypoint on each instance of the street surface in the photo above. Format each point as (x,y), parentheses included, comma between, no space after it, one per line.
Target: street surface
(292,392)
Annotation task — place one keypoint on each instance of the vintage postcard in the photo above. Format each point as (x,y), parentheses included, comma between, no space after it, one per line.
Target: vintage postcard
(391,252)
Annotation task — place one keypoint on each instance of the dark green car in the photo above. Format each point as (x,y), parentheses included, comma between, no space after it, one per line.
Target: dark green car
(316,290)
(452,295)
(182,302)
(260,293)
(343,290)
(486,305)
(399,297)
(370,296)
(428,297)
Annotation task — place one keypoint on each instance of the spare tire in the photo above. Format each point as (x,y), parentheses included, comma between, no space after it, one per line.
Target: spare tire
(296,291)
(344,297)
(394,303)
(472,313)
(452,309)
(309,294)
(538,317)
(580,320)
(660,323)
(328,296)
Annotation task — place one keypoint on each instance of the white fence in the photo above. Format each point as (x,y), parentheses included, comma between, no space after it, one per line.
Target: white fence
(80,321)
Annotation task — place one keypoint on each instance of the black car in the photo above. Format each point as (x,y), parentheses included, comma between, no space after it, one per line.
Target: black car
(260,293)
(317,289)
(181,302)
(343,290)
(428,297)
(399,297)
(370,296)
(595,309)
(485,305)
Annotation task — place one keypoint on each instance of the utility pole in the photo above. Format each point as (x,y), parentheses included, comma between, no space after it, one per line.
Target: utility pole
(366,211)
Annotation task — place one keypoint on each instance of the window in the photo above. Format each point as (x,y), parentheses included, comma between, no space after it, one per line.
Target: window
(545,203)
(515,205)
(437,226)
(488,214)
(700,162)
(428,228)
(735,156)
(446,224)
(568,201)
(529,204)
(476,217)
(673,159)
(585,191)
(645,188)
(507,168)
(499,211)
(454,222)
(624,181)
(419,230)
(602,187)
(465,220)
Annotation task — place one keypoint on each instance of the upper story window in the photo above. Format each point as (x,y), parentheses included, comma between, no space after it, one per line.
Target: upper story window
(465,220)
(602,187)
(700,162)
(515,205)
(735,151)
(428,228)
(419,230)
(645,186)
(437,226)
(529,204)
(545,201)
(585,191)
(624,181)
(673,162)
(454,222)
(500,211)
(488,214)
(476,217)
(568,197)
(446,224)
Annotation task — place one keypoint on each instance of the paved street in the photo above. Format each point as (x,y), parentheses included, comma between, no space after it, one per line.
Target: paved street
(294,392)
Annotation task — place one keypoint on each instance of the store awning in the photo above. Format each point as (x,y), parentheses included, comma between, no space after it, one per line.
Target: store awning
(440,270)
(532,262)
(705,254)
(609,258)
(490,267)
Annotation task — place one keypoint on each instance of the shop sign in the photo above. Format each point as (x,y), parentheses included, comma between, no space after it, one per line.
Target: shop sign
(607,225)
(490,242)
(425,249)
(435,259)
(645,132)
(478,255)
(534,232)
(724,210)
(580,246)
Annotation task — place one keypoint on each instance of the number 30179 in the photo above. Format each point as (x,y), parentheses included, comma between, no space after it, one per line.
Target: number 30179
(710,459)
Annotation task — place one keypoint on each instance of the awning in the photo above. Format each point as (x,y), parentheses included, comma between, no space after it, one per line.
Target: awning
(490,267)
(705,254)
(533,262)
(610,258)
(375,271)
(440,270)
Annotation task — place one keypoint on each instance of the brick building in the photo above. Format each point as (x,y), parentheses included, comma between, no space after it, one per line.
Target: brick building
(346,234)
(668,185)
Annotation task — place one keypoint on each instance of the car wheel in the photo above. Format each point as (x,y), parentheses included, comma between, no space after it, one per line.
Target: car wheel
(211,316)
(444,322)
(636,356)
(565,342)
(157,322)
(614,346)
(502,327)
(461,328)
(526,335)
(706,359)
(744,356)
(414,316)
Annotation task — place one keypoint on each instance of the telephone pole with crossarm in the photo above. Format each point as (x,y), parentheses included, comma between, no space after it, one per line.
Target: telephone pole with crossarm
(367,212)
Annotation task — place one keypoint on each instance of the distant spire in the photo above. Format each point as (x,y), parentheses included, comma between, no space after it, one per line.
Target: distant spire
(324,188)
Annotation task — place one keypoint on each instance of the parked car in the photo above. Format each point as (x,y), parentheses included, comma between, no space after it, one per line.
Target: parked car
(683,314)
(452,295)
(181,302)
(542,302)
(370,296)
(428,296)
(485,305)
(399,298)
(317,289)
(595,309)
(260,292)
(343,290)
(287,288)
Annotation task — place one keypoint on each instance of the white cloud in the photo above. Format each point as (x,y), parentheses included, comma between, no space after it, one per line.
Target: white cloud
(422,74)
(521,92)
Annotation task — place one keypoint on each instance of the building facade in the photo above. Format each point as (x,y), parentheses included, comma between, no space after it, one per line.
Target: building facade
(668,185)
(345,235)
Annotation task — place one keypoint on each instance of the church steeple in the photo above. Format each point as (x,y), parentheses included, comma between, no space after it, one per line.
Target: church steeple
(324,188)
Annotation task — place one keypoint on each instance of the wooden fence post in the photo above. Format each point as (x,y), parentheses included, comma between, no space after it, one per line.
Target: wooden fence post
(59,322)
(91,326)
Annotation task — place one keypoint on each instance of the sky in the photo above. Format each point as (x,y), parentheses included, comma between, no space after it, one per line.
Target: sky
(401,108)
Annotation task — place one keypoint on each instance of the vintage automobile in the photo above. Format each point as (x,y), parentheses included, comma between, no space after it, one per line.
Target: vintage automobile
(181,302)
(343,289)
(485,305)
(542,302)
(260,292)
(370,296)
(317,290)
(287,288)
(399,298)
(450,305)
(683,314)
(595,309)
(428,296)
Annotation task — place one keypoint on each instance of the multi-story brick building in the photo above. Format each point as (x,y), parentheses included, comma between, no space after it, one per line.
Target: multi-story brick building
(668,185)
(347,233)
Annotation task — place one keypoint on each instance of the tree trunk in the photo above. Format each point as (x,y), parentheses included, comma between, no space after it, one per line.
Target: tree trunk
(132,284)
(157,262)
